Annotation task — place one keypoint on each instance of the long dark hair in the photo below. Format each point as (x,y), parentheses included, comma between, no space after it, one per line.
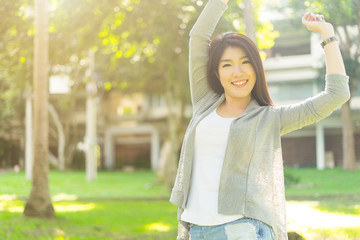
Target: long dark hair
(216,50)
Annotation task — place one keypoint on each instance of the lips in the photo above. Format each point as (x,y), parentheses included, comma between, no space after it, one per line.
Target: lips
(240,83)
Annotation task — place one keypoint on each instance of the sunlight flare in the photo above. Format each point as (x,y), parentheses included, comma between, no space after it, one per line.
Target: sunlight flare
(9,205)
(7,197)
(303,216)
(64,197)
(159,227)
(73,207)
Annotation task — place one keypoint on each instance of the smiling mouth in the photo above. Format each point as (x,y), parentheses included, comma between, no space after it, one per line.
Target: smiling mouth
(240,83)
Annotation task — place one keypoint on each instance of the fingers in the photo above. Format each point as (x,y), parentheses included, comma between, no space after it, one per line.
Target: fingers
(315,22)
(313,17)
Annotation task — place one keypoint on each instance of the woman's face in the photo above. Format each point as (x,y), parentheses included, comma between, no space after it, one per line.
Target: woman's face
(236,74)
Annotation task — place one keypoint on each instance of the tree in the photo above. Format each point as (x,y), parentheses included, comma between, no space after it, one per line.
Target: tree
(39,202)
(15,66)
(249,20)
(345,17)
(140,46)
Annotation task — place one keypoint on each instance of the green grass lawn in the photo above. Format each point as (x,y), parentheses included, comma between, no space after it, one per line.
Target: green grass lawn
(102,209)
(106,208)
(333,192)
(74,184)
(307,182)
(92,220)
(312,183)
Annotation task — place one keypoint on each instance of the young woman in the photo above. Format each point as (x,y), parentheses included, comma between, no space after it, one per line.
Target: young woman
(230,182)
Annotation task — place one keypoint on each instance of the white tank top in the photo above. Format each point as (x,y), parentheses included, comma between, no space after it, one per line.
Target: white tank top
(210,145)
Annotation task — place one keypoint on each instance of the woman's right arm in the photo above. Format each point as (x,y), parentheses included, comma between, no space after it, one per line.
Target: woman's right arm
(199,46)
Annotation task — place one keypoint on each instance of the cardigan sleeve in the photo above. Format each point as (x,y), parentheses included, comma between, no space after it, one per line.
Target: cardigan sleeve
(198,49)
(311,110)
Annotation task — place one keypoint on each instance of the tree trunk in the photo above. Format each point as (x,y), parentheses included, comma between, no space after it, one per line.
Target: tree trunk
(61,136)
(29,146)
(166,173)
(348,138)
(348,142)
(90,138)
(39,203)
(164,155)
(249,21)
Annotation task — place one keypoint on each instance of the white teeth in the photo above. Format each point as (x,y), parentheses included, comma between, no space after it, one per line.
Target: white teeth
(239,83)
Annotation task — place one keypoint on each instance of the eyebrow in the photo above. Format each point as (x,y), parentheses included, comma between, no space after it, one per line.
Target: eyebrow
(229,60)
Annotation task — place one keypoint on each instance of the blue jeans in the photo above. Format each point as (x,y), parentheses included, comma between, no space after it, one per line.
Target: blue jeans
(242,229)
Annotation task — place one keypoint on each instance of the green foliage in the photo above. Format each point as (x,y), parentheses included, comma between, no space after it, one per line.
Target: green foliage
(132,40)
(352,70)
(15,59)
(139,46)
(340,12)
(265,33)
(344,14)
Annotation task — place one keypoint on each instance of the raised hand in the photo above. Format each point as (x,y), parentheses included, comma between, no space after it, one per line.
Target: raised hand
(317,23)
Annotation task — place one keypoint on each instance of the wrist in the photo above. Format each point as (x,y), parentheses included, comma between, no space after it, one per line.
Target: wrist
(328,41)
(327,32)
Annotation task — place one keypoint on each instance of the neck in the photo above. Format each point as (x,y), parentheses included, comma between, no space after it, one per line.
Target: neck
(237,103)
(233,107)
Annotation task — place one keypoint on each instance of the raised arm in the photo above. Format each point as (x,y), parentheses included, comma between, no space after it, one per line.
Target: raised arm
(336,91)
(333,58)
(198,48)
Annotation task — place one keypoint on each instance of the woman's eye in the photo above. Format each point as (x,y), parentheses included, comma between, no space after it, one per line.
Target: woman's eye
(246,62)
(226,65)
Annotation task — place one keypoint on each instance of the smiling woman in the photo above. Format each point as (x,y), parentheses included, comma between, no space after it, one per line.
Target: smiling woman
(230,174)
(223,48)
(237,77)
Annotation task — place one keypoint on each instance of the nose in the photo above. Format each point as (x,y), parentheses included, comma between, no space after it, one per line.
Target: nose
(238,70)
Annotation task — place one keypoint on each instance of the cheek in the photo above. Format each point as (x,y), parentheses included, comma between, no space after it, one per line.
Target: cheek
(222,74)
(251,72)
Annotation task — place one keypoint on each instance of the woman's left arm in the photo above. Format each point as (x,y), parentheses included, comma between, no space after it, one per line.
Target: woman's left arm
(333,59)
(336,93)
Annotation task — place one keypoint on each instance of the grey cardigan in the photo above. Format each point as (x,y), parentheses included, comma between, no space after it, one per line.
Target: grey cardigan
(252,177)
